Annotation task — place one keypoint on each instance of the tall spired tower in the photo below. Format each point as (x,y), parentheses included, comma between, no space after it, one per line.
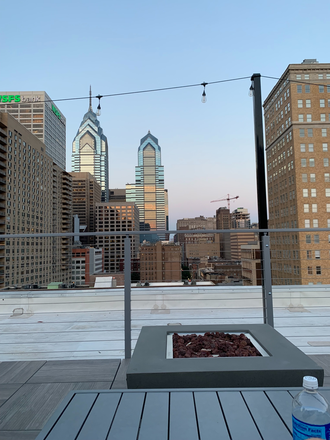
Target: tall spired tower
(148,191)
(90,150)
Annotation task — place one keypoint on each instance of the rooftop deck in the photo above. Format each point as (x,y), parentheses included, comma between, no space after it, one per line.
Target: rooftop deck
(30,391)
(56,342)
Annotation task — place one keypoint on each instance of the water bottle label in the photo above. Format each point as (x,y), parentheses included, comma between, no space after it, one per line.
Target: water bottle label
(303,431)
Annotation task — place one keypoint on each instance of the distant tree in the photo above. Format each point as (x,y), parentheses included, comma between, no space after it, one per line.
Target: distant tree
(186,275)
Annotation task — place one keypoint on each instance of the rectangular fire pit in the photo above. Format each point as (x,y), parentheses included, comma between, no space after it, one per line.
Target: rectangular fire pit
(281,364)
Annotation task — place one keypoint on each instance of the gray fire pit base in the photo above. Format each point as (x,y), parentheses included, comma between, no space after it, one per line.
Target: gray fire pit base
(284,366)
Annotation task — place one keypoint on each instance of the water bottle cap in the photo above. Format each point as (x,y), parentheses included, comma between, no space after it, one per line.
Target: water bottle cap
(310,382)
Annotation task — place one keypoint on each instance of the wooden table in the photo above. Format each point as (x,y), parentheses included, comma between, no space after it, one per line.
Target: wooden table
(199,414)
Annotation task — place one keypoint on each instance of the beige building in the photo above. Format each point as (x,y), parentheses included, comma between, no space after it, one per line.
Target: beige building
(237,240)
(160,261)
(86,193)
(251,264)
(117,217)
(35,197)
(297,122)
(201,245)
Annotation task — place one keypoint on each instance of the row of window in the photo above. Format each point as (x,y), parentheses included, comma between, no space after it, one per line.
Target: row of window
(309,117)
(308,103)
(302,132)
(311,162)
(307,88)
(319,75)
(310,147)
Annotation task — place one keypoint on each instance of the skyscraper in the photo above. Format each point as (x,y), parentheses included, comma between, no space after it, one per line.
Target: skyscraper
(297,122)
(38,113)
(90,151)
(148,191)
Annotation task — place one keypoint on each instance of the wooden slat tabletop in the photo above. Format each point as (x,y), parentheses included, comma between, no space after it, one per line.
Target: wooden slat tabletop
(199,414)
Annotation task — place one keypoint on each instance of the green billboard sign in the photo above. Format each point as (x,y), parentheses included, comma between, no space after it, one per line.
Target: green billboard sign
(57,113)
(10,98)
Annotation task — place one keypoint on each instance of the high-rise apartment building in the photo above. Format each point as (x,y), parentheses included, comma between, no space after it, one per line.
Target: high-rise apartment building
(86,193)
(148,190)
(40,115)
(297,122)
(35,197)
(90,151)
(117,217)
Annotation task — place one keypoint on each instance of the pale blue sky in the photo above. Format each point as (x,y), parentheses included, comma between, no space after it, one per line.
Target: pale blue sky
(207,149)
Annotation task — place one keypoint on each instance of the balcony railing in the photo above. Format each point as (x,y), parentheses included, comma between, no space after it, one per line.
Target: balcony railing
(261,286)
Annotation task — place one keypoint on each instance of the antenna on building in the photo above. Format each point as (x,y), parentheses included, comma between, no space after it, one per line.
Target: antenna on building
(90,98)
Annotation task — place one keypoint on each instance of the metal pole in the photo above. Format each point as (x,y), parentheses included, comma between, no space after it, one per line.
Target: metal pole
(261,176)
(267,278)
(127,298)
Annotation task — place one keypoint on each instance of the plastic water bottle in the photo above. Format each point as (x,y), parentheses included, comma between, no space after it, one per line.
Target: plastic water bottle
(310,413)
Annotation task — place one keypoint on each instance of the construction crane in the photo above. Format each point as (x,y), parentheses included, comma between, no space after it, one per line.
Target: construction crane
(228,198)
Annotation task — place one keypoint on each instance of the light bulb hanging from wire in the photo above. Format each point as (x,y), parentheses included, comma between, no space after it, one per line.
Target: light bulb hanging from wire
(204,93)
(98,113)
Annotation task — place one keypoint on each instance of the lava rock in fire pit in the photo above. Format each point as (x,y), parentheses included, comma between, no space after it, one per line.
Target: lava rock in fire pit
(213,344)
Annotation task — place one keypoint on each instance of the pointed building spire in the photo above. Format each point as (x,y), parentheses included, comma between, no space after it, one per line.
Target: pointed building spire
(90,98)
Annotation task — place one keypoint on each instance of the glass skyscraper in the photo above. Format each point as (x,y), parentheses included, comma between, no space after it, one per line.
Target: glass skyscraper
(148,191)
(90,151)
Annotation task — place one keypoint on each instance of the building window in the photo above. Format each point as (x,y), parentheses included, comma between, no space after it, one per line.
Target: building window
(320,75)
(302,148)
(300,118)
(308,103)
(322,103)
(305,193)
(309,255)
(326,162)
(321,89)
(303,163)
(317,254)
(314,207)
(306,207)
(328,207)
(300,103)
(327,192)
(312,177)
(308,238)
(310,132)
(312,162)
(298,76)
(301,132)
(307,224)
(325,147)
(326,177)
(309,118)
(315,223)
(299,88)
(304,177)
(313,192)
(316,238)
(310,270)
(318,270)
(307,88)
(324,132)
(322,117)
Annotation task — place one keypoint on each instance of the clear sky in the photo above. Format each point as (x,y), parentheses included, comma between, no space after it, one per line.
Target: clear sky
(118,46)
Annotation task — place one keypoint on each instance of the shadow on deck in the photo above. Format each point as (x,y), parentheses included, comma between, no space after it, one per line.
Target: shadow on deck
(30,391)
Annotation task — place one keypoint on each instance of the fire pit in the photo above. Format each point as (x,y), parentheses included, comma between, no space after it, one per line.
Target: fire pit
(212,344)
(281,364)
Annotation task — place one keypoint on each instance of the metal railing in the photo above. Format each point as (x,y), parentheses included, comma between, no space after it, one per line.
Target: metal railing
(187,301)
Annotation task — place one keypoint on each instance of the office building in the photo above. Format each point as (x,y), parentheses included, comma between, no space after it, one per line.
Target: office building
(42,117)
(117,195)
(148,191)
(86,193)
(90,151)
(297,124)
(86,262)
(237,240)
(35,197)
(251,264)
(117,217)
(223,221)
(160,262)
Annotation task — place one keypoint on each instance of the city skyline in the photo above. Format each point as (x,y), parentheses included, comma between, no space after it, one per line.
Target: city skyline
(209,147)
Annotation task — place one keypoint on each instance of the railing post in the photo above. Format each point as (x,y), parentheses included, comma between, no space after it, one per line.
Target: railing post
(267,295)
(127,299)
